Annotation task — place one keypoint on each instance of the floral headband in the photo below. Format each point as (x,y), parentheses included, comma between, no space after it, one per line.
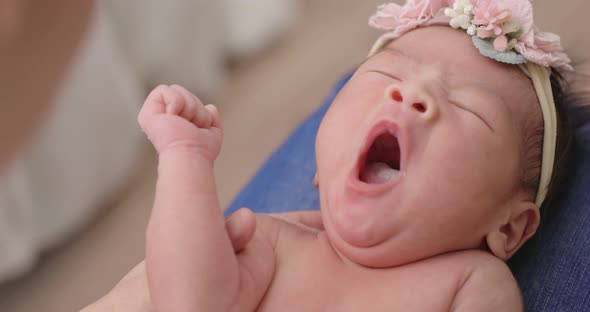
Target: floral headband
(502,30)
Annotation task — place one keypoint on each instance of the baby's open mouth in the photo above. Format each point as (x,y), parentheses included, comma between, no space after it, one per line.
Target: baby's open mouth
(382,160)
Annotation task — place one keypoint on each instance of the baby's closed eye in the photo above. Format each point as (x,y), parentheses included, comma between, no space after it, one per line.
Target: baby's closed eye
(386,74)
(463,99)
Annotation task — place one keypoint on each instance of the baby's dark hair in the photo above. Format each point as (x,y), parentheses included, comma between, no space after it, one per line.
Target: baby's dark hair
(567,103)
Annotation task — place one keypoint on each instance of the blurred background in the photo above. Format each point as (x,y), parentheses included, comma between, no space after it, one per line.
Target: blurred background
(75,203)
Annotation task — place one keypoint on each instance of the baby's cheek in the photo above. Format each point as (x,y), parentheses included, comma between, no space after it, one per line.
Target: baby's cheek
(496,168)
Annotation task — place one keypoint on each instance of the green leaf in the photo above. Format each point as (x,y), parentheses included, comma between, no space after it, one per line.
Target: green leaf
(486,48)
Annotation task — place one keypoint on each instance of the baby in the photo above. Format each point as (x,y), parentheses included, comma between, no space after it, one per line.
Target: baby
(427,177)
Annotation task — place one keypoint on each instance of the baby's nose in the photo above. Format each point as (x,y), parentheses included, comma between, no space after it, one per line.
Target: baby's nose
(414,100)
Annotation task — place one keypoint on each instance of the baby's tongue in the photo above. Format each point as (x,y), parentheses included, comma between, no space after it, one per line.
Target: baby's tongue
(377,172)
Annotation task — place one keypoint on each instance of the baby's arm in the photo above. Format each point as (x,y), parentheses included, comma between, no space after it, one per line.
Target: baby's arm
(190,260)
(489,287)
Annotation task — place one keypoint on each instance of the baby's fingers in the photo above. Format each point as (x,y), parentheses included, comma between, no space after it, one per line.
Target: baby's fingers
(240,227)
(194,110)
(215,119)
(153,105)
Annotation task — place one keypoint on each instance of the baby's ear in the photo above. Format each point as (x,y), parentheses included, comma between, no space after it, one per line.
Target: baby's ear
(316,181)
(512,233)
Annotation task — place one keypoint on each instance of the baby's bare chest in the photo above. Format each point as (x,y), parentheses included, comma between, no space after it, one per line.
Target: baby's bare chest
(315,283)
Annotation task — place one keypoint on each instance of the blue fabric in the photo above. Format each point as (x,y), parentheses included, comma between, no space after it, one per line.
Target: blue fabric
(284,183)
(553,269)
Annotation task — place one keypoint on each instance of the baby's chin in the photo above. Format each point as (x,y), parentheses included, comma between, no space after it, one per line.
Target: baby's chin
(365,244)
(375,256)
(360,230)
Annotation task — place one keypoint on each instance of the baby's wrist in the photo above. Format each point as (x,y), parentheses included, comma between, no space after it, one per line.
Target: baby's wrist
(181,152)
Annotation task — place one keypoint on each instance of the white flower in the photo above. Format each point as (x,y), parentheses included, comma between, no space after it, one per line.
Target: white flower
(463,6)
(472,30)
(460,14)
(463,21)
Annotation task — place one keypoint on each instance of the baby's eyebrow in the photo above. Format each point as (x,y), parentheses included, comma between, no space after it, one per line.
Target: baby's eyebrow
(396,52)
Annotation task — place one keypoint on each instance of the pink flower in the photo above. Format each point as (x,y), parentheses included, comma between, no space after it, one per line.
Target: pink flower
(423,9)
(387,17)
(546,41)
(545,50)
(522,14)
(507,23)
(556,59)
(412,14)
(490,17)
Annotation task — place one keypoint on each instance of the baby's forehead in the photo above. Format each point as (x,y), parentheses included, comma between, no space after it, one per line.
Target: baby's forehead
(463,64)
(453,53)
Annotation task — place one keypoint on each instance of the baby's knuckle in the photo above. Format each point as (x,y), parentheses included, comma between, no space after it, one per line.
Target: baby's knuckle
(160,89)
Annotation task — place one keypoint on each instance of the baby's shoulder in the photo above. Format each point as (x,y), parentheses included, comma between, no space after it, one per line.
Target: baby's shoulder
(487,283)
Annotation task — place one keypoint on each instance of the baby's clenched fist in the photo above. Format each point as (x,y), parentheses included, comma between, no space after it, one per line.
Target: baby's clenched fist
(174,118)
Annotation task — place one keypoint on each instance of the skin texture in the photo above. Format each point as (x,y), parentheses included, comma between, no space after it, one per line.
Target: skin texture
(458,195)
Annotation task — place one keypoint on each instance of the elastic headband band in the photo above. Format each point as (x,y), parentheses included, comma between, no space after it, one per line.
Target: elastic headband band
(541,80)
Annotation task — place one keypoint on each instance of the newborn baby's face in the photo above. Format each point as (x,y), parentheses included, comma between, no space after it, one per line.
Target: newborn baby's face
(421,152)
